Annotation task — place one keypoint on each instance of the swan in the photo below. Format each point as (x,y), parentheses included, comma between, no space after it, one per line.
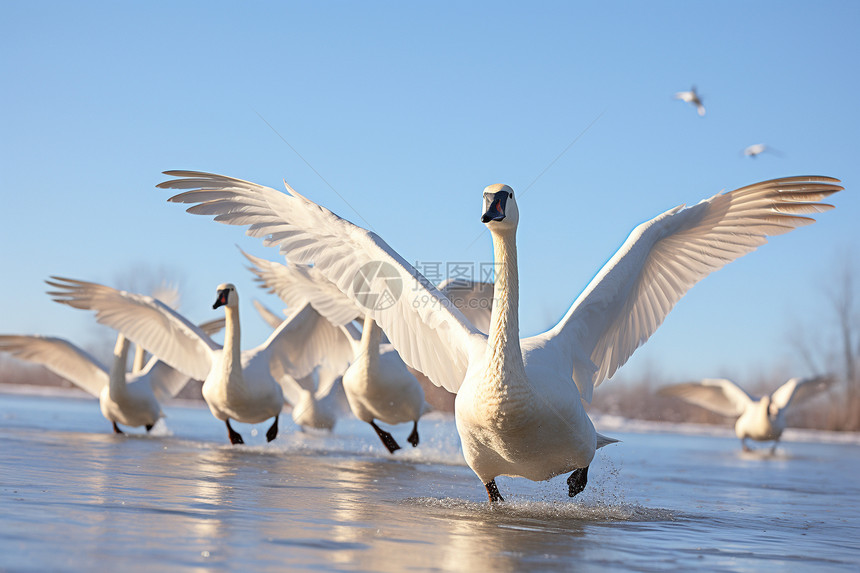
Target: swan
(759,418)
(241,386)
(518,408)
(378,384)
(314,398)
(132,399)
(758,148)
(692,97)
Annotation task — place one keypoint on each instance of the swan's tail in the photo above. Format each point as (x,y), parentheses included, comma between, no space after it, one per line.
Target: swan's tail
(604,441)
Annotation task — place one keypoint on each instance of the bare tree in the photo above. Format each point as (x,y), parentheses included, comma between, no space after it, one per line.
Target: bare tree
(833,344)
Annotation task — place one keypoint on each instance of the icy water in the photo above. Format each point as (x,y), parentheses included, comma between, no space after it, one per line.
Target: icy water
(73,496)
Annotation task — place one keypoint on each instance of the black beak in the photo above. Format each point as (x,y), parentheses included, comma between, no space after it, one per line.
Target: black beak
(222,298)
(494,207)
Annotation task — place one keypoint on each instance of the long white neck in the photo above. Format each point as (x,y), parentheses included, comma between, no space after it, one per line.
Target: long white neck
(232,336)
(139,359)
(371,335)
(117,381)
(504,335)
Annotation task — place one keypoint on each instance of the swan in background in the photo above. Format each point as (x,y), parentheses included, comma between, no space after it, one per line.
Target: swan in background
(132,399)
(692,97)
(518,411)
(241,386)
(377,383)
(758,418)
(314,398)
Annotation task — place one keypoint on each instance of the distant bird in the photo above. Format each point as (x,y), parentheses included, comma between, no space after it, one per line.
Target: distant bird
(757,149)
(518,411)
(241,386)
(692,97)
(759,418)
(132,399)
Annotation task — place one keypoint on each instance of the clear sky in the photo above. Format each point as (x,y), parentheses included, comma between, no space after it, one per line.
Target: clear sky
(396,115)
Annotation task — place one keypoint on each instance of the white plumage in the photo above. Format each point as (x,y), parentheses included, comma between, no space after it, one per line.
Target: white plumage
(243,386)
(128,398)
(692,97)
(517,411)
(759,418)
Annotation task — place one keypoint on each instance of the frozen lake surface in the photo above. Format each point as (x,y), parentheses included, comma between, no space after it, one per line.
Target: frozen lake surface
(73,496)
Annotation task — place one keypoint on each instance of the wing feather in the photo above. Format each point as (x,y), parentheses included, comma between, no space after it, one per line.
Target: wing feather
(429,332)
(715,394)
(798,390)
(662,259)
(144,320)
(60,357)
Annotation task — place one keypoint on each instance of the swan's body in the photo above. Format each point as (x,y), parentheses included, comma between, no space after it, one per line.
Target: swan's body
(758,418)
(241,386)
(692,97)
(379,386)
(518,410)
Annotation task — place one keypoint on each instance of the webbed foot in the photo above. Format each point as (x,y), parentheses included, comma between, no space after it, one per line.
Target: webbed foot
(577,481)
(493,491)
(272,433)
(235,437)
(413,437)
(387,439)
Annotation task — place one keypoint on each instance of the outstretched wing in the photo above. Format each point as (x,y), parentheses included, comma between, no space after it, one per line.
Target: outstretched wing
(715,394)
(166,382)
(473,298)
(428,331)
(60,357)
(267,315)
(298,285)
(145,321)
(302,342)
(662,259)
(798,390)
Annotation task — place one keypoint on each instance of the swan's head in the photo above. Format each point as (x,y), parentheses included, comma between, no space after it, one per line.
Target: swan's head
(500,208)
(227,296)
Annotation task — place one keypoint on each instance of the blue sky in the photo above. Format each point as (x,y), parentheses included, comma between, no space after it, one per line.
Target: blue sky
(402,113)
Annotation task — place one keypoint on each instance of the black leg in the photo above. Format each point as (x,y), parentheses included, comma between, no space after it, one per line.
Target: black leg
(413,437)
(387,439)
(116,429)
(149,427)
(273,431)
(235,438)
(577,480)
(493,491)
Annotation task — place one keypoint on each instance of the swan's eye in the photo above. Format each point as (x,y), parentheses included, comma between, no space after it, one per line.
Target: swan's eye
(510,195)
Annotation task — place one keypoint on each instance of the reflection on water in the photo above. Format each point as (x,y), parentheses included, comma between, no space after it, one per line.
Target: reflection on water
(73,496)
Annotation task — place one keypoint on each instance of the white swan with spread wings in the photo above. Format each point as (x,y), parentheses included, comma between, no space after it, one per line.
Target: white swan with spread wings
(237,385)
(517,410)
(759,418)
